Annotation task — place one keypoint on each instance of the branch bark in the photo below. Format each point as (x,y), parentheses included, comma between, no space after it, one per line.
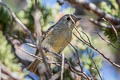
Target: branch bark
(92,7)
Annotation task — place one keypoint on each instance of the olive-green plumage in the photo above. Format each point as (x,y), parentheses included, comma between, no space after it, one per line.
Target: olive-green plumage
(58,37)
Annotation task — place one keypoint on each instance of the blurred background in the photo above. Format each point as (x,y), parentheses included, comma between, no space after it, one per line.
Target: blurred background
(102,35)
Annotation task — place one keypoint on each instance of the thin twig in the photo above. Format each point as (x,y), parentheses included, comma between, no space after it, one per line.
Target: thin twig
(19,22)
(82,74)
(30,54)
(39,58)
(114,64)
(80,39)
(105,26)
(116,33)
(69,65)
(76,51)
(99,52)
(79,32)
(96,67)
(108,41)
(87,37)
(81,36)
(79,62)
(62,67)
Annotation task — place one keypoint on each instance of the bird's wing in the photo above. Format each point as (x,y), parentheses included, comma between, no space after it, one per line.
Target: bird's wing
(48,31)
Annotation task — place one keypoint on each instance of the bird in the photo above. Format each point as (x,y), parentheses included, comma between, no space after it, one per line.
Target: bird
(57,37)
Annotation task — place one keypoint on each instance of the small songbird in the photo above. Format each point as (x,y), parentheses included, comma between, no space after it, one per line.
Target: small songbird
(57,37)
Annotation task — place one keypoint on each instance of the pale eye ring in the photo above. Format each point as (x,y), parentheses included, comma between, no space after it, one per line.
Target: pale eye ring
(68,18)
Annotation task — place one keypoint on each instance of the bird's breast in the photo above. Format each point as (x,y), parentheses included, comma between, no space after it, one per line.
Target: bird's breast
(57,40)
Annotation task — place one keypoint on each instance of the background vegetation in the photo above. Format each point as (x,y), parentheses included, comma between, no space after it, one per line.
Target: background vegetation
(86,58)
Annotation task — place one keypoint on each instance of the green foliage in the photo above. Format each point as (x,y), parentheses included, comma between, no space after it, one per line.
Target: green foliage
(5,16)
(6,19)
(6,56)
(48,15)
(113,11)
(48,18)
(110,33)
(88,61)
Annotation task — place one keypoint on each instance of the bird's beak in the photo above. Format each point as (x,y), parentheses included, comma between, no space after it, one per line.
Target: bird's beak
(77,19)
(74,19)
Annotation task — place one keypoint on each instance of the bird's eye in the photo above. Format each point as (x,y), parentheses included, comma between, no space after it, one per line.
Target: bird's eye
(68,18)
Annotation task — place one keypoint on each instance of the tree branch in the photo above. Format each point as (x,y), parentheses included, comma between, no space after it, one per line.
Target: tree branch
(19,22)
(96,10)
(37,15)
(96,67)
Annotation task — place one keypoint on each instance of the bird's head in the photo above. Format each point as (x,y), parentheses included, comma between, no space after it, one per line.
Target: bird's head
(69,20)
